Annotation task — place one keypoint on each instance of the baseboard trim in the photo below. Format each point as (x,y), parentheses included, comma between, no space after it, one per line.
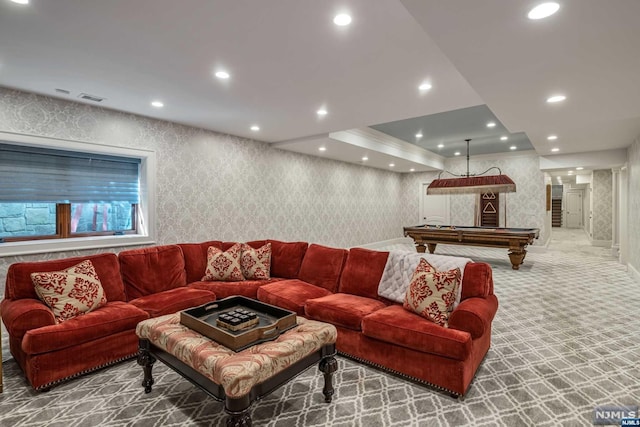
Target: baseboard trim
(635,274)
(601,243)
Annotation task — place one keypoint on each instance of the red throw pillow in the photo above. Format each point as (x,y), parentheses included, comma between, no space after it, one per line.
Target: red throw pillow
(71,292)
(431,293)
(224,266)
(256,263)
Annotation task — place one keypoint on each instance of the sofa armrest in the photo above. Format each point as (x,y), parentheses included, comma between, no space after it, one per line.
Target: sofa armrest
(22,315)
(477,280)
(474,315)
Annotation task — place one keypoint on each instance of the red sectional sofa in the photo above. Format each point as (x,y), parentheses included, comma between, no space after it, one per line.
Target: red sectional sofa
(333,285)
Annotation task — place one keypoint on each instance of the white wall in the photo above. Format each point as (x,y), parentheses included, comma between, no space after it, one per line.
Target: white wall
(633,212)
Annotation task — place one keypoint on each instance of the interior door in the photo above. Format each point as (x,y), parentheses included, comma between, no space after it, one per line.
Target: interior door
(434,208)
(574,209)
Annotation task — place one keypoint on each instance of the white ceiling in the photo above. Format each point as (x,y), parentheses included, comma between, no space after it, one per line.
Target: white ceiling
(287,59)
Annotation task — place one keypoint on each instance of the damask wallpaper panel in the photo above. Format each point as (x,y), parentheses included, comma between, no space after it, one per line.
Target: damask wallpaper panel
(633,167)
(215,186)
(602,205)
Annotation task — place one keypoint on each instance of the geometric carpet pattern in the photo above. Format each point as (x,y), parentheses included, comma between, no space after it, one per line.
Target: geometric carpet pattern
(565,339)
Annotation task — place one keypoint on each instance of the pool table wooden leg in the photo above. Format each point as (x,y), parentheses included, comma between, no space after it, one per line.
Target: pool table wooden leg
(432,247)
(421,248)
(517,257)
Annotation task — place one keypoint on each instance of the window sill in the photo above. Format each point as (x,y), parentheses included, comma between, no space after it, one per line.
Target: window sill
(73,244)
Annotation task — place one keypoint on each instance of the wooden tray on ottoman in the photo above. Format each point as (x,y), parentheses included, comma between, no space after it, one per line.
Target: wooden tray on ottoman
(272,321)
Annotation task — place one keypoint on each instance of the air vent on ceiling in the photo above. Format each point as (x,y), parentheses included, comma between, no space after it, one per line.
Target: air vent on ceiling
(63,91)
(91,97)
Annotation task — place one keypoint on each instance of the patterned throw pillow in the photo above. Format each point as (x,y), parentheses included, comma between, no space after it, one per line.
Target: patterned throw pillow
(224,266)
(71,292)
(432,293)
(256,263)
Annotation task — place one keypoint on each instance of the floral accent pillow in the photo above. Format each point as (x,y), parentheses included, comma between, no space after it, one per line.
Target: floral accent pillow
(224,266)
(256,263)
(431,293)
(71,292)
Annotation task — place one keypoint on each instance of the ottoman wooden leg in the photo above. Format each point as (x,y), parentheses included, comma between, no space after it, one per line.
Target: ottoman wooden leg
(238,410)
(146,360)
(328,365)
(242,419)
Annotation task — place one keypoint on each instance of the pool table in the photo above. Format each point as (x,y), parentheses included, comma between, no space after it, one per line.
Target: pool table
(515,239)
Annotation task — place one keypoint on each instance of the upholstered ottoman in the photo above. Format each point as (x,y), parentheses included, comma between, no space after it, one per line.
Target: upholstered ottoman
(237,378)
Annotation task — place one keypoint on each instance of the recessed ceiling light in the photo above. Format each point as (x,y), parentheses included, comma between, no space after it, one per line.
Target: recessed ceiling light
(342,19)
(322,112)
(570,172)
(504,138)
(491,125)
(555,149)
(543,10)
(457,153)
(552,137)
(255,128)
(440,145)
(579,168)
(157,104)
(425,86)
(513,147)
(365,158)
(322,148)
(222,75)
(556,98)
(412,170)
(21,1)
(419,135)
(391,165)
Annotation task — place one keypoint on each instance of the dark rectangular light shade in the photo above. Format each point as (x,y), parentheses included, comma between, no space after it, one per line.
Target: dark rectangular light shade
(473,185)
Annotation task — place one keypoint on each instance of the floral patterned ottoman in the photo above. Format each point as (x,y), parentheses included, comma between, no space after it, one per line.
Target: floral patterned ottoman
(237,378)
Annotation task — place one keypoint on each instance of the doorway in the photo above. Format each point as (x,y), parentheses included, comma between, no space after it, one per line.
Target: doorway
(574,209)
(434,208)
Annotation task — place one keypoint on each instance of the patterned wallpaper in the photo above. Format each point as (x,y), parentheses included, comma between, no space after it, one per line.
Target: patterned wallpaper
(214,186)
(633,167)
(602,205)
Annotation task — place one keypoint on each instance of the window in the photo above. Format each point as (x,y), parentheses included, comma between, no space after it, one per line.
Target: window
(88,194)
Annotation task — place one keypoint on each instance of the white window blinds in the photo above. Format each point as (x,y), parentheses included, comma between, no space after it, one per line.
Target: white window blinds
(33,174)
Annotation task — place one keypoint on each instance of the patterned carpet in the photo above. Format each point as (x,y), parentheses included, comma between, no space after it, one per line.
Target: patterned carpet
(564,341)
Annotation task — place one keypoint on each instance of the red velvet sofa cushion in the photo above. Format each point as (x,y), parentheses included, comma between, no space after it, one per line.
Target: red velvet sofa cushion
(290,294)
(195,258)
(107,320)
(286,258)
(46,368)
(173,300)
(362,272)
(396,325)
(322,266)
(150,270)
(344,310)
(19,285)
(247,288)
